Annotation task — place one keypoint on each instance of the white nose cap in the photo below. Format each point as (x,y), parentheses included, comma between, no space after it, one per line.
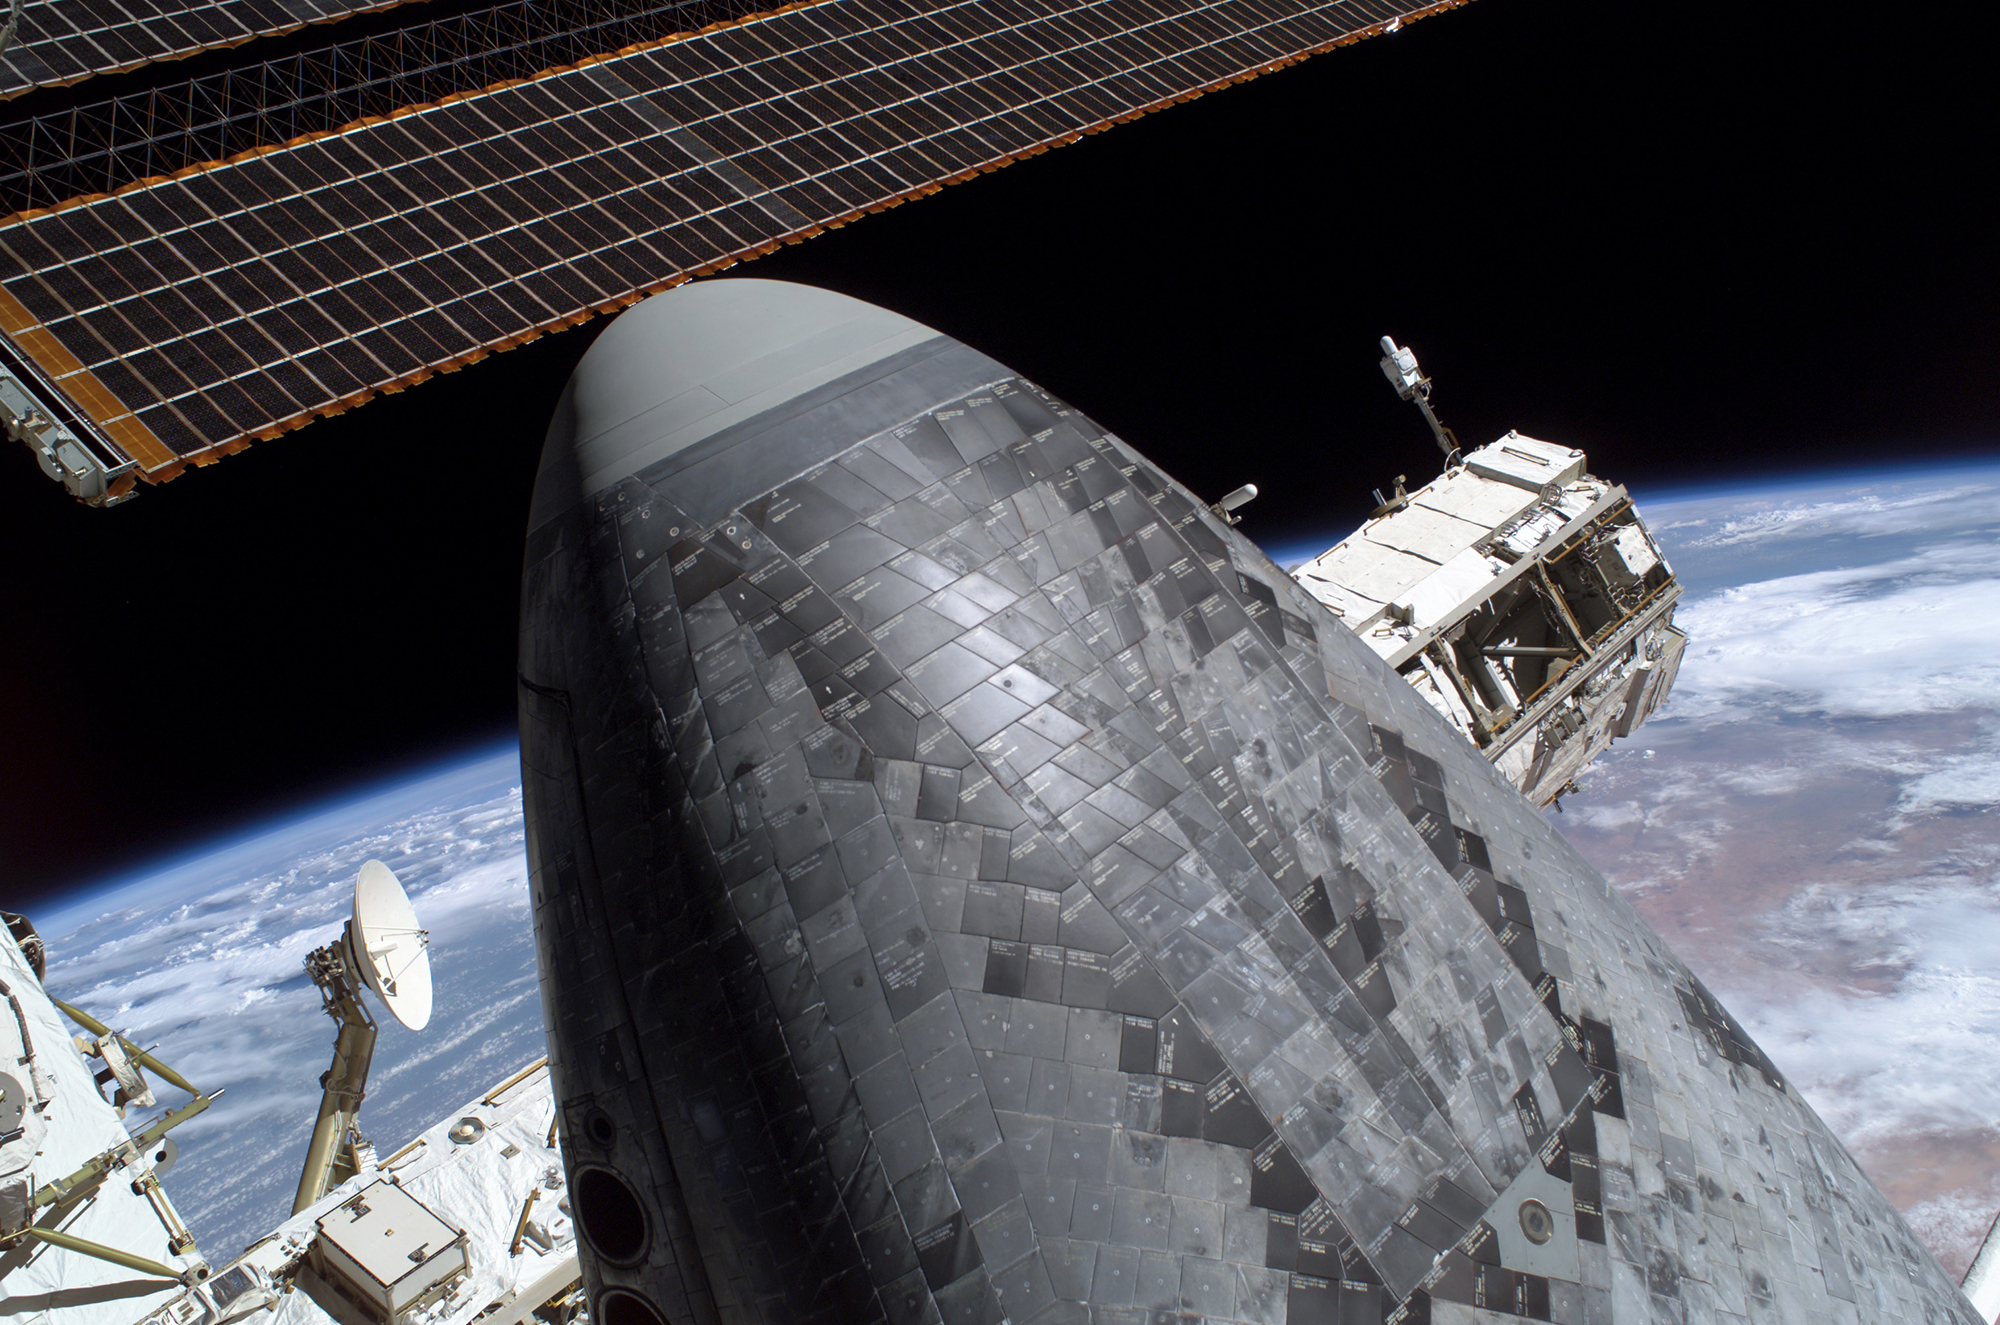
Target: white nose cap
(684,365)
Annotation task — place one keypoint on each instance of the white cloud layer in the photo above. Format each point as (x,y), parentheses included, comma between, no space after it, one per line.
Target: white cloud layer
(1914,1047)
(1818,515)
(1954,783)
(1913,635)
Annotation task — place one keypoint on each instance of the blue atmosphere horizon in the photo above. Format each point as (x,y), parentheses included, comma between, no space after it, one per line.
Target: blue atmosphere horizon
(132,885)
(1292,551)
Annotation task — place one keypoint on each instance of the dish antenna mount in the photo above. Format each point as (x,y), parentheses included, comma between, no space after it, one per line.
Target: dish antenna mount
(384,948)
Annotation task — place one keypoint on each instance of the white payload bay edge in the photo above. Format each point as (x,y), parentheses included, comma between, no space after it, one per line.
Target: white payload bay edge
(72,1176)
(470,1221)
(1523,598)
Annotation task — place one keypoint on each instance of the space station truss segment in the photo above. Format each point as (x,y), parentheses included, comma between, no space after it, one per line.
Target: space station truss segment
(180,319)
(1523,598)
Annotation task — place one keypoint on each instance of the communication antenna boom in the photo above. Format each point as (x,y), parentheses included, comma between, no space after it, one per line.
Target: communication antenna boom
(384,948)
(1399,365)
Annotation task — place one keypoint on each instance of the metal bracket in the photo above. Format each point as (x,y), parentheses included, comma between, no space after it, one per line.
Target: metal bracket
(337,1149)
(145,1265)
(93,471)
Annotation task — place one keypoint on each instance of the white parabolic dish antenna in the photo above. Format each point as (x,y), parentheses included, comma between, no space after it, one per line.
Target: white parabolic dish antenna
(390,947)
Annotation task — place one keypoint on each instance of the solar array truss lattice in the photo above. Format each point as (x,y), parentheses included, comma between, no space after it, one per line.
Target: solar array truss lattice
(66,41)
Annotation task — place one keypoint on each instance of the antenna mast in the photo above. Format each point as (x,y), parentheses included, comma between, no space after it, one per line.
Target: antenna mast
(383,947)
(1399,365)
(333,1156)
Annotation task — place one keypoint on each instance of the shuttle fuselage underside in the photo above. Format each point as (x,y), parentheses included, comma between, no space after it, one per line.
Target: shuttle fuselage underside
(972,882)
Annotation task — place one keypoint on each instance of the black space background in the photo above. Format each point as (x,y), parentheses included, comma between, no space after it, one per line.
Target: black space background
(1700,243)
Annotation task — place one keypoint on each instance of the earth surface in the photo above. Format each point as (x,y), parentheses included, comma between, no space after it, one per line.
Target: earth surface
(1810,823)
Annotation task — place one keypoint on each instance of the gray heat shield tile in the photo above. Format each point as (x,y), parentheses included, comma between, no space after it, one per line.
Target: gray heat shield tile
(971,882)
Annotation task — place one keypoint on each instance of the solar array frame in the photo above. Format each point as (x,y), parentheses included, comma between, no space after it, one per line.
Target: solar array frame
(186,317)
(66,41)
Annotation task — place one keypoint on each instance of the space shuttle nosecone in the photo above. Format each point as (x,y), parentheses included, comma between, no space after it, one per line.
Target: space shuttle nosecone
(973,883)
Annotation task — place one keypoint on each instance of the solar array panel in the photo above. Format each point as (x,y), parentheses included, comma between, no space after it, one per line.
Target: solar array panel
(187,316)
(65,41)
